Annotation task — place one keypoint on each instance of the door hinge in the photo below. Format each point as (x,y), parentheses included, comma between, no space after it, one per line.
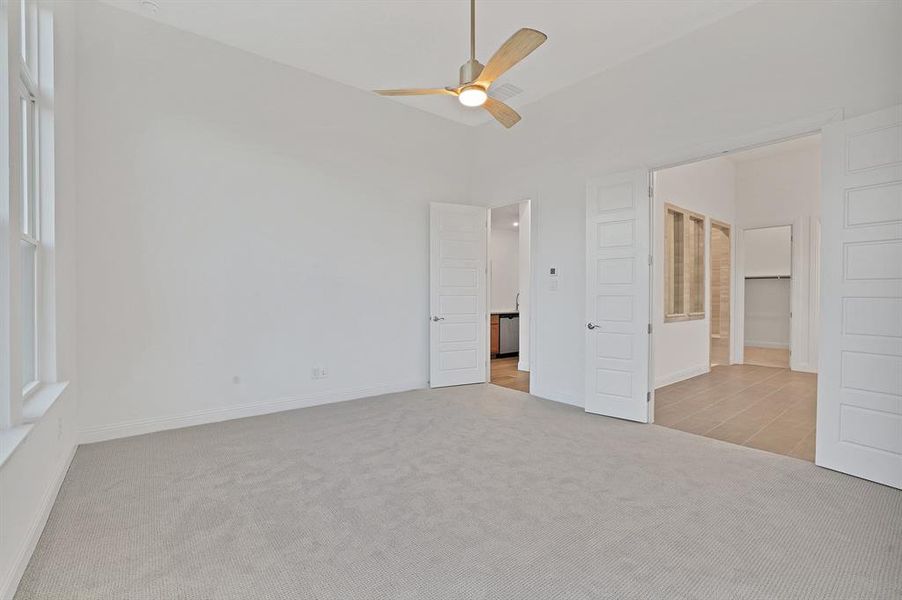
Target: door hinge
(650,259)
(648,396)
(649,328)
(651,191)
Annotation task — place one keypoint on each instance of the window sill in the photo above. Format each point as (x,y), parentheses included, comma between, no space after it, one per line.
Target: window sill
(683,317)
(36,406)
(10,439)
(40,401)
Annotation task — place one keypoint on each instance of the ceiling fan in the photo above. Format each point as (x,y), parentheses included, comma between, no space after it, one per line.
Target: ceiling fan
(475,79)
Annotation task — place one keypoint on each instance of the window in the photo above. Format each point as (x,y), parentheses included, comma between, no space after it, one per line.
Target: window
(28,196)
(28,240)
(684,264)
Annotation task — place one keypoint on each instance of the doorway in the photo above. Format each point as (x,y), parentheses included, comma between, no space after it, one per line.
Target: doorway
(721,259)
(509,273)
(722,334)
(767,269)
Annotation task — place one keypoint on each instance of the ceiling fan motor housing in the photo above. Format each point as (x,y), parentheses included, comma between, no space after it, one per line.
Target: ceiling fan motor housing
(470,70)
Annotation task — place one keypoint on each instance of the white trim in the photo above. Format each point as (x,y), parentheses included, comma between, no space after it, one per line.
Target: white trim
(533,289)
(682,375)
(757,344)
(10,440)
(226,413)
(765,137)
(45,396)
(12,579)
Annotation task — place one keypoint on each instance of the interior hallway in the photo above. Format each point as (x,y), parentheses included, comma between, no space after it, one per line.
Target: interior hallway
(761,407)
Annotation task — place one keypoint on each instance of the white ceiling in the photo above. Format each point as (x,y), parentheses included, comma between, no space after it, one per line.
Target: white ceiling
(370,44)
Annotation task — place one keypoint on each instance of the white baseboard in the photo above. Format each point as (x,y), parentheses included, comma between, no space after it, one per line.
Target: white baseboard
(681,375)
(523,366)
(755,344)
(113,431)
(9,586)
(802,367)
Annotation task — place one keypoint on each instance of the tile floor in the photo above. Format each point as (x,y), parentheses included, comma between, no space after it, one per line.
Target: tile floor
(767,357)
(762,407)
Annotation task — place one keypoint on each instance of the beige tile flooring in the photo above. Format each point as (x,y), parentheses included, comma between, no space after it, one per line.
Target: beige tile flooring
(505,374)
(720,351)
(767,357)
(764,357)
(762,407)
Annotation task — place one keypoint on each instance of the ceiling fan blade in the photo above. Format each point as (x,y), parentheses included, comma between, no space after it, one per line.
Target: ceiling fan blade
(503,113)
(415,92)
(515,49)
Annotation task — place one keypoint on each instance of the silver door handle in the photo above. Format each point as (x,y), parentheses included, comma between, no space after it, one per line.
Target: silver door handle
(591,325)
(437,319)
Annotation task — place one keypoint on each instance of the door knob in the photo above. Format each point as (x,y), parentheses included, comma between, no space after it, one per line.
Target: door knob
(591,325)
(436,319)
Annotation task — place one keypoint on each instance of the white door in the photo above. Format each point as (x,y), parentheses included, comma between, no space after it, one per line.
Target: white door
(859,400)
(458,345)
(617,296)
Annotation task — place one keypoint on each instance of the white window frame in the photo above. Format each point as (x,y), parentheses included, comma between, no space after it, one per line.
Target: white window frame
(29,225)
(29,196)
(692,263)
(29,211)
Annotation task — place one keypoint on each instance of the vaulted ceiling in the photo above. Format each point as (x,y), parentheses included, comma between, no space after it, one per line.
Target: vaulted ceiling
(371,44)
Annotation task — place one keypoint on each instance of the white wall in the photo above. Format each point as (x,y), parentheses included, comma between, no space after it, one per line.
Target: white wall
(784,189)
(29,479)
(744,77)
(505,258)
(682,348)
(767,303)
(240,223)
(767,251)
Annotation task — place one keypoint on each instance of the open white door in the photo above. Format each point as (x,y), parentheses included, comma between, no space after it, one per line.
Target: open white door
(458,344)
(617,296)
(859,400)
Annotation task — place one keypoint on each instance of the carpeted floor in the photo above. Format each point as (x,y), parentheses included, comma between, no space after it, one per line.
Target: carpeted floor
(468,492)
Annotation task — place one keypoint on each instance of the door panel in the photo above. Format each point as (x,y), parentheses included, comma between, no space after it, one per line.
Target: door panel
(457,266)
(617,295)
(859,410)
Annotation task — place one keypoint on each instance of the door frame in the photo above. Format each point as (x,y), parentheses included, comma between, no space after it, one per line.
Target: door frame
(531,294)
(729,145)
(738,345)
(714,223)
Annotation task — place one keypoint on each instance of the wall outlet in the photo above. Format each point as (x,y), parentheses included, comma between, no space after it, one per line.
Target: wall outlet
(320,373)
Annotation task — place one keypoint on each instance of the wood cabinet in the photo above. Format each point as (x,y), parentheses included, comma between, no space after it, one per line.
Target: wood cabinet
(496,335)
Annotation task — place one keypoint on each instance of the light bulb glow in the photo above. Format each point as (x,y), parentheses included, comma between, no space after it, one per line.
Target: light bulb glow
(516,224)
(472,96)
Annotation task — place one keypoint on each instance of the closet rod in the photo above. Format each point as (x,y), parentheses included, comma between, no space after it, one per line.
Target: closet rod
(771,277)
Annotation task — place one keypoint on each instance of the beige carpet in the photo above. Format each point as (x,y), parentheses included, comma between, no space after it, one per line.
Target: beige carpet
(469,492)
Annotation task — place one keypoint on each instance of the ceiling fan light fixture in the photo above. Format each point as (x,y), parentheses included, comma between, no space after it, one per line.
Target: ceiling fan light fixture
(472,95)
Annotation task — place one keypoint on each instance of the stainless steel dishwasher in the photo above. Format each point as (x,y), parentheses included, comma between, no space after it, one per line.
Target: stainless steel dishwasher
(509,331)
